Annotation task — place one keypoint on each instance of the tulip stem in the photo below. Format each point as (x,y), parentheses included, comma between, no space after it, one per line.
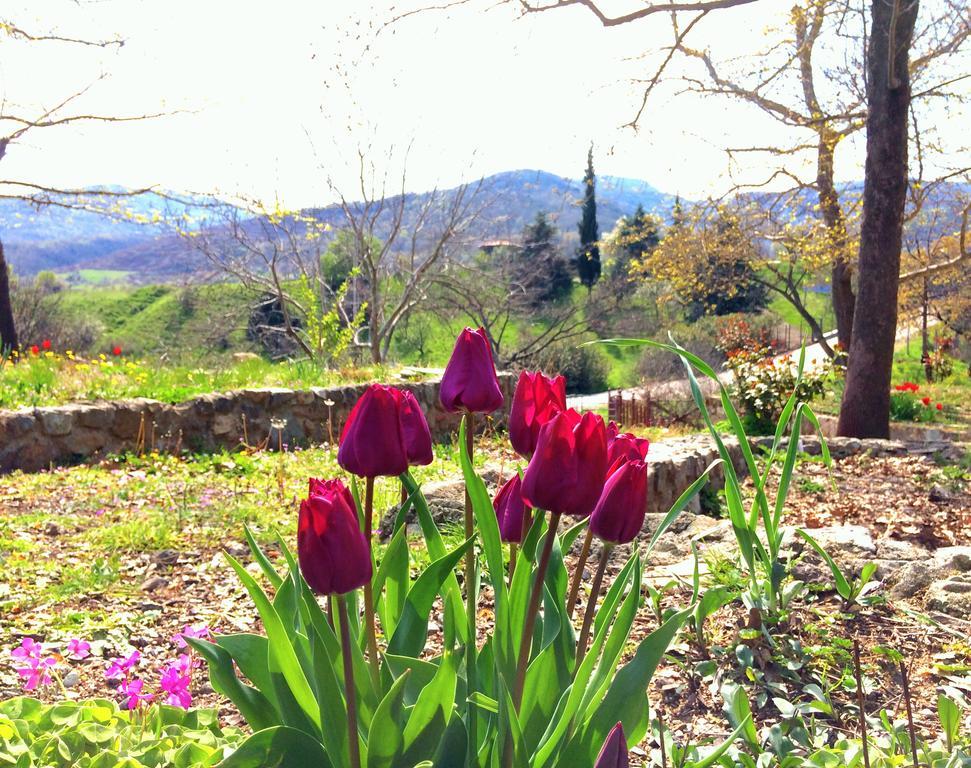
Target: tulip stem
(471,602)
(352,745)
(512,560)
(592,603)
(526,641)
(372,638)
(571,601)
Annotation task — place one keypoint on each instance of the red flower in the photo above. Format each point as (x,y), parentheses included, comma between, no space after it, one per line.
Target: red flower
(925,400)
(538,399)
(116,351)
(469,382)
(510,510)
(385,432)
(569,465)
(940,406)
(333,553)
(34,349)
(46,343)
(619,514)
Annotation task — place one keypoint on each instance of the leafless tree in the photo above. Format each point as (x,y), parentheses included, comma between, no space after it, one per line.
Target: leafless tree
(811,78)
(499,295)
(18,122)
(400,241)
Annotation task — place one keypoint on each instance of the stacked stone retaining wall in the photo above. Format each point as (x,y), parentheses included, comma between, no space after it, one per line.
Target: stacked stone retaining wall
(35,438)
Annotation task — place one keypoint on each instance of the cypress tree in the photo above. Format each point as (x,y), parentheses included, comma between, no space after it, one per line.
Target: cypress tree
(588,255)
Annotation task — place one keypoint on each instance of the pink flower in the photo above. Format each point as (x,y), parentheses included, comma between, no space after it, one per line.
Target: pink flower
(37,672)
(132,691)
(200,632)
(28,649)
(175,682)
(78,649)
(119,668)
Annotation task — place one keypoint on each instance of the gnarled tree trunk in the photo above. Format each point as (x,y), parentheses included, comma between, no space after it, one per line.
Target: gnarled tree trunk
(8,329)
(865,411)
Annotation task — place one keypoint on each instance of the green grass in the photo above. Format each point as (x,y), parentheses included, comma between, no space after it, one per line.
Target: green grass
(85,530)
(95,276)
(819,305)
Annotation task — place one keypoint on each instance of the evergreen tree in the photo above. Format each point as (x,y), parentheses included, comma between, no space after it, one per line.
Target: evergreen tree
(588,254)
(543,272)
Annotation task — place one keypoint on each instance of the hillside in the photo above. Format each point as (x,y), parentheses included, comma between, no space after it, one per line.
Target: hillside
(67,241)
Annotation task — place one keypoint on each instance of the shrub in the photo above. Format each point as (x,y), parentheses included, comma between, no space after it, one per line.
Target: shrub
(586,368)
(698,338)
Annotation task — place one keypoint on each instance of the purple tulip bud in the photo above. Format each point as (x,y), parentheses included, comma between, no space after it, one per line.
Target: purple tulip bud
(567,471)
(538,399)
(385,432)
(626,446)
(619,514)
(510,510)
(469,382)
(333,552)
(614,751)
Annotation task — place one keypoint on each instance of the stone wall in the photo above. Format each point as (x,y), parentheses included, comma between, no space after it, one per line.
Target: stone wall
(34,438)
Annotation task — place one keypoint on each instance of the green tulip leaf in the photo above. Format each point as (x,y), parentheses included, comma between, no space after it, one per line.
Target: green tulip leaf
(278,747)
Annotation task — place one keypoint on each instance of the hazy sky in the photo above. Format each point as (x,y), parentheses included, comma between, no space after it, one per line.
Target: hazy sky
(271,98)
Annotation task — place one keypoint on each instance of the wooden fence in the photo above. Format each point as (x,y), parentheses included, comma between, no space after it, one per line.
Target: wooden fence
(644,410)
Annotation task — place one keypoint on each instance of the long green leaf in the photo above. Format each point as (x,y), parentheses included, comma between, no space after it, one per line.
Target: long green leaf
(278,747)
(412,631)
(281,649)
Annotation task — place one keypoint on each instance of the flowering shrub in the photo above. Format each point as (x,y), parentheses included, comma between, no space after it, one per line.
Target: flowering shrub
(907,405)
(39,667)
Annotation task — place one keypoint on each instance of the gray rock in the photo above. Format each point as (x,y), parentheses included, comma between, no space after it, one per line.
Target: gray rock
(71,679)
(952,596)
(56,421)
(154,583)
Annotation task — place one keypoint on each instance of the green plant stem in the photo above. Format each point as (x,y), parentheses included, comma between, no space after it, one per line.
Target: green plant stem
(471,601)
(512,560)
(526,641)
(571,601)
(372,637)
(860,703)
(592,603)
(910,714)
(353,747)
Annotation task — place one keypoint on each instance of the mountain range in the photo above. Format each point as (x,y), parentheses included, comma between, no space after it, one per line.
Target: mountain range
(139,239)
(139,244)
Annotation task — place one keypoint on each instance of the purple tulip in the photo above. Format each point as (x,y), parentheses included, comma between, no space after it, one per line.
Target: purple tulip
(614,751)
(538,399)
(469,382)
(333,552)
(385,432)
(619,514)
(414,430)
(510,510)
(626,446)
(569,465)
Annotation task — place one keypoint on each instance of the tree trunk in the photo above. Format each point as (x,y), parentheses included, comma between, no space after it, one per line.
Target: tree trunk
(841,281)
(865,410)
(374,322)
(8,330)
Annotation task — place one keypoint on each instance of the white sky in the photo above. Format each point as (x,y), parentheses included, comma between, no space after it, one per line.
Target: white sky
(279,95)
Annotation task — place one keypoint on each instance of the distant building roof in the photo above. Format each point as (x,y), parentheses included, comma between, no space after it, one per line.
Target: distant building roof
(490,245)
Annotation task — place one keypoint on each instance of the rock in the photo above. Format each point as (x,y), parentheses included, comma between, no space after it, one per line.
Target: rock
(241,357)
(851,546)
(71,679)
(939,495)
(237,549)
(926,569)
(56,421)
(951,596)
(52,529)
(166,557)
(154,583)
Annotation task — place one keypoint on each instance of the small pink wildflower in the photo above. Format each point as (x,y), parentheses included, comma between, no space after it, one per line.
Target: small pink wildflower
(28,649)
(200,632)
(132,691)
(78,649)
(120,667)
(175,681)
(37,673)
